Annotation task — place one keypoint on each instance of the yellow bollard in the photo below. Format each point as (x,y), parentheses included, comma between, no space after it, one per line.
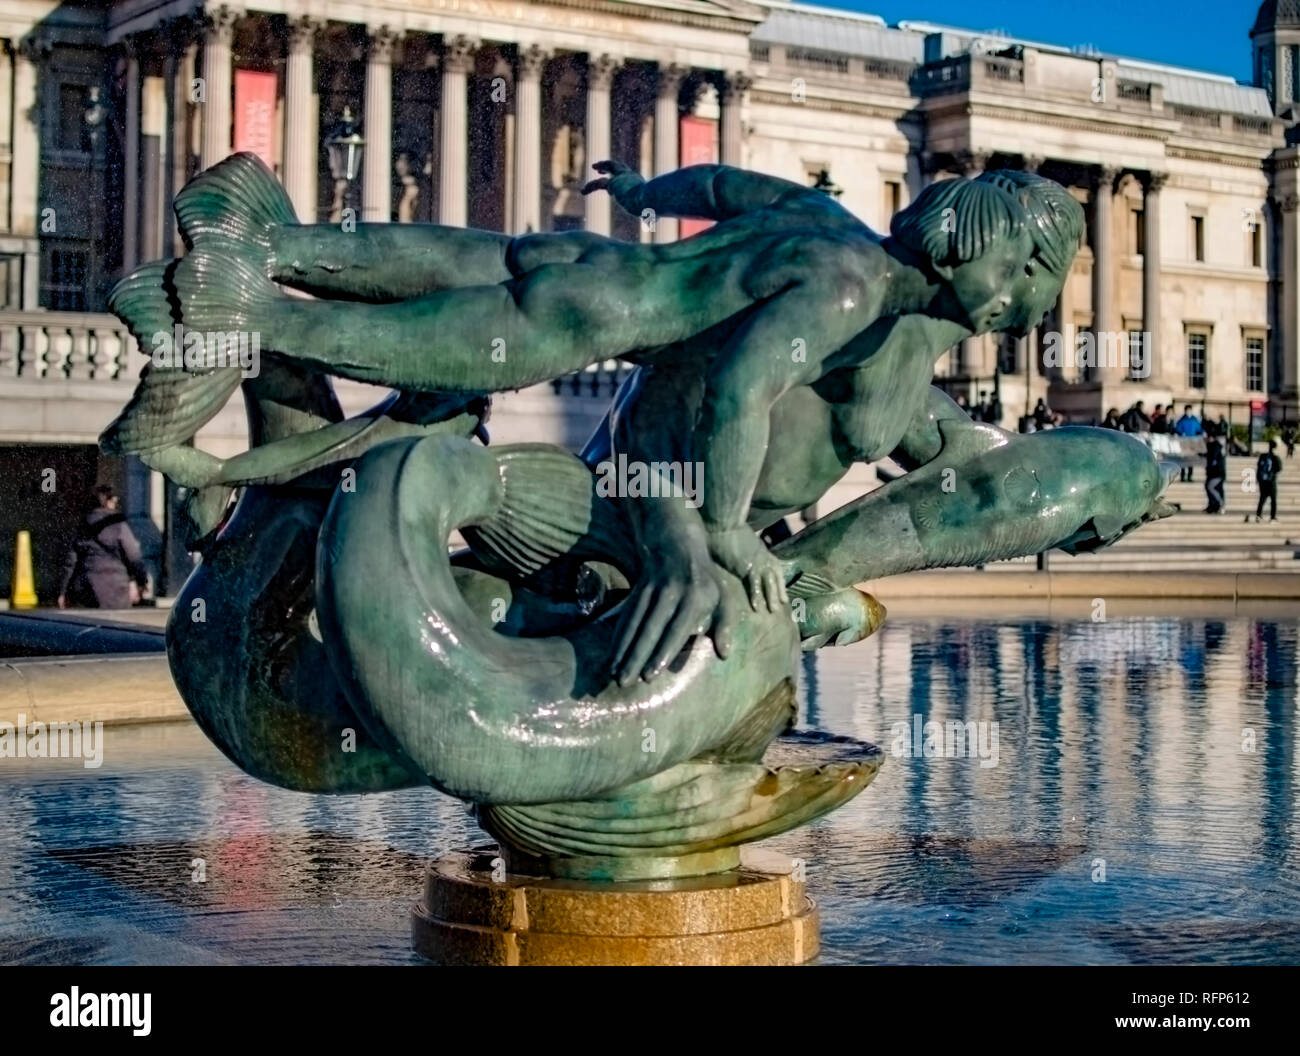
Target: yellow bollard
(23,595)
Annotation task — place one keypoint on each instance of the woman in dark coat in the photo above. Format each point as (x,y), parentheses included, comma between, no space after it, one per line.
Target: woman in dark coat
(103,564)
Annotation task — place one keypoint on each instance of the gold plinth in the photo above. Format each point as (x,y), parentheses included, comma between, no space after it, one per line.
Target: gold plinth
(756,914)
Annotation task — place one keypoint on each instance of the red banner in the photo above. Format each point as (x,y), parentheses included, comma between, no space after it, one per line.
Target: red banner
(699,146)
(255,114)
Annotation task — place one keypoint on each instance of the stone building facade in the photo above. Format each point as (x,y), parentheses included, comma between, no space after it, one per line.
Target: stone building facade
(489,112)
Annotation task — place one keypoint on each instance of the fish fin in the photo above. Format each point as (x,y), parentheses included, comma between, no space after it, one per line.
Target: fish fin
(167,408)
(145,301)
(1108,529)
(964,439)
(695,806)
(219,293)
(549,511)
(234,207)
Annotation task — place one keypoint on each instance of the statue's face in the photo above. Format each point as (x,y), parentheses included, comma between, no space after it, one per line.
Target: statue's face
(1033,293)
(984,290)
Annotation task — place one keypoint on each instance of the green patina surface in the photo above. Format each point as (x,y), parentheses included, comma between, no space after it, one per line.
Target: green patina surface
(609,678)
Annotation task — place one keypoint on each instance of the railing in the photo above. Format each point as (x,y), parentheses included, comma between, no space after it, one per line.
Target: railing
(84,345)
(997,68)
(599,379)
(1134,91)
(1194,116)
(1261,126)
(824,60)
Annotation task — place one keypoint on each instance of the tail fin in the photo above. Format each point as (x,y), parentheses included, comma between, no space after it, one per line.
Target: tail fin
(218,292)
(167,408)
(234,207)
(549,510)
(143,300)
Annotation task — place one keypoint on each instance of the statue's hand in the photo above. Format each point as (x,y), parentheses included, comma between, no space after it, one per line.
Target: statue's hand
(743,554)
(678,596)
(623,184)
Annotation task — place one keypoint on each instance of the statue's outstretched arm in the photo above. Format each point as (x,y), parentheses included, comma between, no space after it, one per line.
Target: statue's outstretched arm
(709,192)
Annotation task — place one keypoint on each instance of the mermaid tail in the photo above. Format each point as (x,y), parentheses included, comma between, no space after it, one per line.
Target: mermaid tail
(234,209)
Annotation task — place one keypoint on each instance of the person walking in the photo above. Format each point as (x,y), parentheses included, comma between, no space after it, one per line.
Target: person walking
(1135,419)
(1159,422)
(103,568)
(1266,471)
(1111,421)
(1216,472)
(1289,438)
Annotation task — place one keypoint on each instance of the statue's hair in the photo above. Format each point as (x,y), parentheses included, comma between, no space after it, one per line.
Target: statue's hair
(1055,218)
(957,221)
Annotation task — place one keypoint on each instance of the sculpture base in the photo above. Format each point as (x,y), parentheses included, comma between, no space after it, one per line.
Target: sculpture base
(756,914)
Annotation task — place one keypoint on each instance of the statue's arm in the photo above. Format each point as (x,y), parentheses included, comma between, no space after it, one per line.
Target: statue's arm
(709,192)
(786,343)
(678,594)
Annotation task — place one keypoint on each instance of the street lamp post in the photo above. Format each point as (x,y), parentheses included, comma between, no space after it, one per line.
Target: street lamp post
(93,119)
(343,148)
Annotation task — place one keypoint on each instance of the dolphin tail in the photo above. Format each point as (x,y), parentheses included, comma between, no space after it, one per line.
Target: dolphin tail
(234,207)
(169,405)
(218,293)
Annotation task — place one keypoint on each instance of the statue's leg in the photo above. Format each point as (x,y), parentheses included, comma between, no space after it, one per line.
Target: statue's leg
(557,319)
(238,208)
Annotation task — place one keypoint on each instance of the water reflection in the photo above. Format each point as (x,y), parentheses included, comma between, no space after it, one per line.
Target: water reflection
(1141,809)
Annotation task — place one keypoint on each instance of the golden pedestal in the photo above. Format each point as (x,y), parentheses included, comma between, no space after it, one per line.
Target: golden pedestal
(756,914)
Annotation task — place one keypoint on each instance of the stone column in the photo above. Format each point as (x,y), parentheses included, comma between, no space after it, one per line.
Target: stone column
(181,152)
(299,139)
(600,78)
(6,127)
(731,97)
(377,161)
(453,162)
(527,177)
(153,155)
(26,139)
(1151,269)
(666,129)
(1287,212)
(218,34)
(1103,272)
(131,160)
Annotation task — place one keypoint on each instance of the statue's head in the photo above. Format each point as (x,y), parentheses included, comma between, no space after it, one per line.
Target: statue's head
(976,237)
(1056,225)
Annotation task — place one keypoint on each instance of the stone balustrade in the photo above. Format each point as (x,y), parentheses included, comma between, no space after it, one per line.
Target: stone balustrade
(77,345)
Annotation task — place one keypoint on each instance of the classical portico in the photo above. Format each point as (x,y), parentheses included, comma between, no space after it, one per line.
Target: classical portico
(514,67)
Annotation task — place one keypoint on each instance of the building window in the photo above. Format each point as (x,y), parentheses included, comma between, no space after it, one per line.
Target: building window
(1197,344)
(1255,363)
(1198,238)
(73,133)
(67,274)
(1008,354)
(957,360)
(1256,236)
(893,199)
(1138,367)
(1138,227)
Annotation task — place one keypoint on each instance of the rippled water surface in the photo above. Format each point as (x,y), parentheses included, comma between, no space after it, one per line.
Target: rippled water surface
(1142,809)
